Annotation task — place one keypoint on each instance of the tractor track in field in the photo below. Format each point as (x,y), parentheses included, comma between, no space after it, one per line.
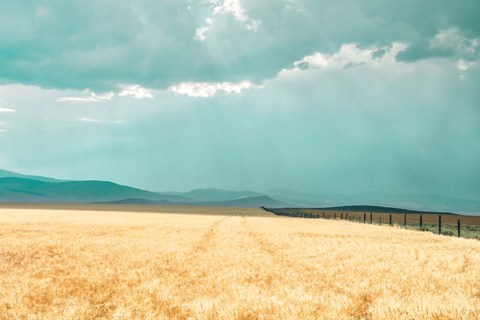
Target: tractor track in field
(275,251)
(192,264)
(205,241)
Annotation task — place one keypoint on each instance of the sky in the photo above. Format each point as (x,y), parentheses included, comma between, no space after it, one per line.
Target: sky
(344,96)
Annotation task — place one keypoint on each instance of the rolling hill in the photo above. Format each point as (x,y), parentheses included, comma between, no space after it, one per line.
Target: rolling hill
(14,189)
(11,174)
(380,209)
(250,202)
(213,194)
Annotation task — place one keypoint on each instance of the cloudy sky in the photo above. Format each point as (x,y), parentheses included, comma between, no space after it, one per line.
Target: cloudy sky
(311,95)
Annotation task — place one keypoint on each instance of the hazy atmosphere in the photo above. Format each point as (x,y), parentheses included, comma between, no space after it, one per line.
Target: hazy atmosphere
(313,96)
(240,159)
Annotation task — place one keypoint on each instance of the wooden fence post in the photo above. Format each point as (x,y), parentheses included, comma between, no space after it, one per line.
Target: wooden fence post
(371,218)
(458,227)
(364,217)
(421,221)
(439,224)
(341,216)
(380,220)
(405,220)
(390,219)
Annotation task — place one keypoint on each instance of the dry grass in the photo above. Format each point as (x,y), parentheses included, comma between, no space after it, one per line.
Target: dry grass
(235,264)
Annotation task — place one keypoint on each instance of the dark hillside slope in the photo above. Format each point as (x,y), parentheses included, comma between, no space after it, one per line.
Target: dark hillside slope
(74,191)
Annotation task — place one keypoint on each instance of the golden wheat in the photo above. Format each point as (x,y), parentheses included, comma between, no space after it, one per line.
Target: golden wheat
(230,264)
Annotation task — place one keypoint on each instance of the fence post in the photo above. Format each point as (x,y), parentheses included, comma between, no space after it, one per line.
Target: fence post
(439,224)
(421,221)
(341,215)
(390,219)
(371,218)
(346,215)
(380,220)
(405,220)
(458,227)
(323,215)
(364,217)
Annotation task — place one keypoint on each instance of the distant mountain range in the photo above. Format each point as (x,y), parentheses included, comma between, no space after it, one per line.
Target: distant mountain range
(15,187)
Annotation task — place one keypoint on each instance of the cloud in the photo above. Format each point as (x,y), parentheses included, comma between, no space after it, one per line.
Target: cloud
(157,44)
(135,91)
(104,96)
(451,42)
(350,55)
(226,7)
(207,90)
(7,110)
(201,33)
(91,120)
(92,98)
(232,7)
(463,65)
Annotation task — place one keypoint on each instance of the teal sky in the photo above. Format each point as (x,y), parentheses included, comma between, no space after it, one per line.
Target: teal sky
(321,96)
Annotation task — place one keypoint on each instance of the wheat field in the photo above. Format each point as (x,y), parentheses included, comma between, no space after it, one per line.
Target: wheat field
(227,263)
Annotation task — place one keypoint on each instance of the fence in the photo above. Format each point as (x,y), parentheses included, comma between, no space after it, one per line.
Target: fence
(446,224)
